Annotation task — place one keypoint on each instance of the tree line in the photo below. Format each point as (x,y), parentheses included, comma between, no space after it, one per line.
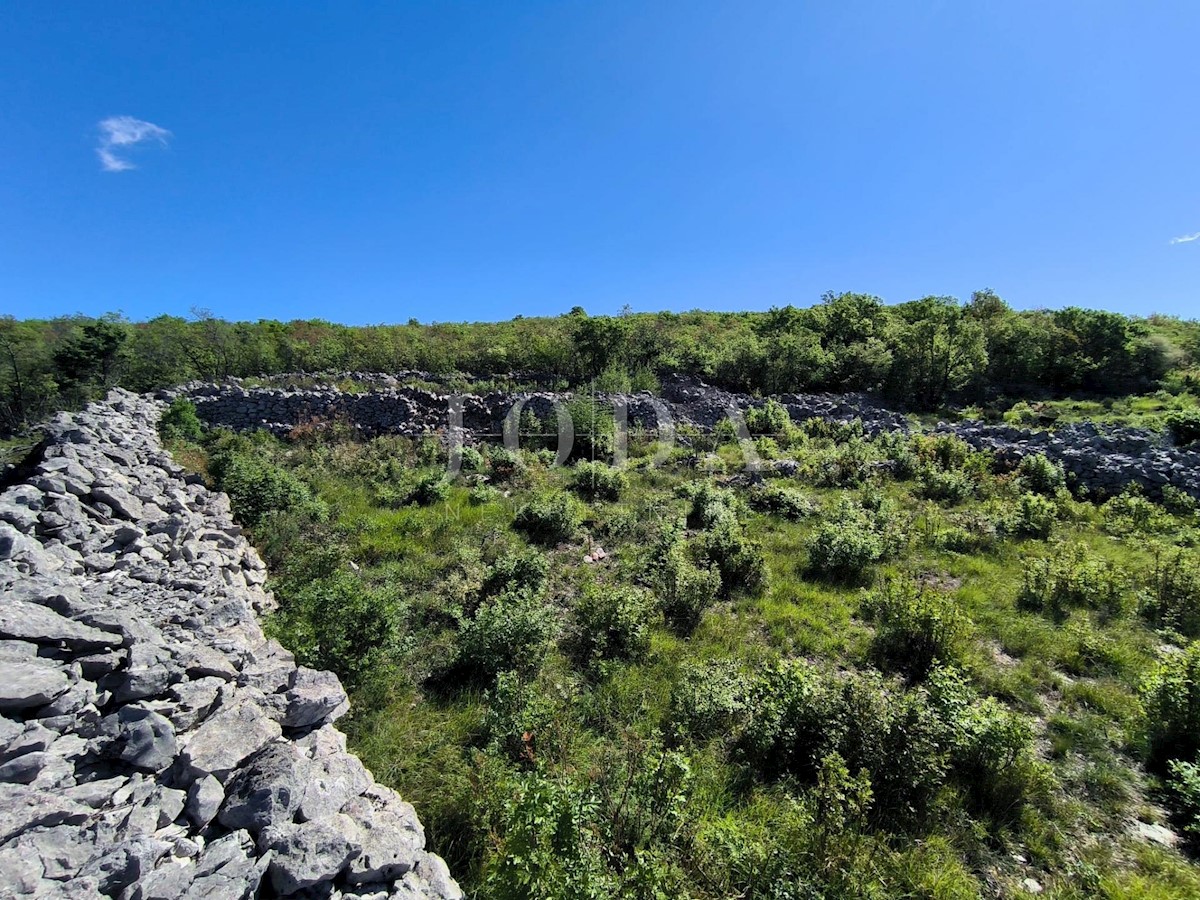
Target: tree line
(921,354)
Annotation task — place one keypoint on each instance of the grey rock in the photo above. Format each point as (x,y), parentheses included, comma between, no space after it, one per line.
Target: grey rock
(228,737)
(146,740)
(23,807)
(27,685)
(306,854)
(314,697)
(387,829)
(267,791)
(204,799)
(120,501)
(25,768)
(27,621)
(125,863)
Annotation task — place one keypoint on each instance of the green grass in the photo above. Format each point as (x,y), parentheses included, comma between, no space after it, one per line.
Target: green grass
(464,758)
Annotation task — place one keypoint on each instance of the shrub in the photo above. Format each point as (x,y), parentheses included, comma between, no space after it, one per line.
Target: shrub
(505,464)
(915,627)
(545,846)
(844,465)
(947,452)
(739,559)
(479,494)
(1130,511)
(518,717)
(510,632)
(1183,787)
(431,488)
(1171,699)
(472,460)
(990,747)
(685,589)
(1173,600)
(844,548)
(799,715)
(520,571)
(1034,517)
(612,623)
(180,422)
(945,485)
(1072,577)
(1179,502)
(1041,475)
(788,503)
(1184,427)
(337,622)
(710,505)
(709,700)
(594,426)
(770,418)
(597,481)
(550,517)
(257,487)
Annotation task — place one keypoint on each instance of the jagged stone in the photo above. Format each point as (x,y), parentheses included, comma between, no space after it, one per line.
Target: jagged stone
(128,636)
(227,738)
(31,683)
(146,740)
(306,854)
(204,800)
(314,697)
(267,790)
(29,622)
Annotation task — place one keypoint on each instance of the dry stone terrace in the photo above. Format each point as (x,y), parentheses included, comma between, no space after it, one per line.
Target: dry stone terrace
(1104,460)
(154,744)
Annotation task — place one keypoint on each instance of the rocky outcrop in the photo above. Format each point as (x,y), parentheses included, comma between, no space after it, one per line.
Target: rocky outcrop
(1104,461)
(153,743)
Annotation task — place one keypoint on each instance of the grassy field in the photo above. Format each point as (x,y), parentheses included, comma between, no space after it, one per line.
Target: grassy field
(899,672)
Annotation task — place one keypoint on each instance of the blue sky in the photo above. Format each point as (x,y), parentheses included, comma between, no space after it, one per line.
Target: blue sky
(459,161)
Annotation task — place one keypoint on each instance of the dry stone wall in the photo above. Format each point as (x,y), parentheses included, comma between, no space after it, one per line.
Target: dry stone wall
(1104,461)
(154,744)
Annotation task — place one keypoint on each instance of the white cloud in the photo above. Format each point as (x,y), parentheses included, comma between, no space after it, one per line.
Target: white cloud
(123,132)
(1186,238)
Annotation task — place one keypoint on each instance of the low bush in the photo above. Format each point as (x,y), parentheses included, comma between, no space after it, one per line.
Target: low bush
(738,559)
(518,571)
(844,548)
(612,623)
(916,627)
(180,423)
(597,481)
(1035,517)
(944,485)
(505,464)
(842,465)
(709,700)
(1131,512)
(1041,475)
(1183,791)
(770,418)
(1173,596)
(1073,577)
(337,622)
(710,504)
(685,589)
(1171,700)
(1184,427)
(510,632)
(471,460)
(787,503)
(480,494)
(257,487)
(550,517)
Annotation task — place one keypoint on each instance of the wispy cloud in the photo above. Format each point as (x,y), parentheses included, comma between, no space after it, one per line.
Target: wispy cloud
(1186,238)
(119,133)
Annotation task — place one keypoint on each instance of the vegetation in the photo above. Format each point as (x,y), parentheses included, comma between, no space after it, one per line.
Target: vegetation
(921,354)
(900,672)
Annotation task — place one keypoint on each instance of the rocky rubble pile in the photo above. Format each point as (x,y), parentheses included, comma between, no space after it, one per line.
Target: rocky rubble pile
(153,743)
(1104,461)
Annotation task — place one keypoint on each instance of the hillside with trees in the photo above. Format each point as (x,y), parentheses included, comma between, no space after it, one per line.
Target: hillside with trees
(920,355)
